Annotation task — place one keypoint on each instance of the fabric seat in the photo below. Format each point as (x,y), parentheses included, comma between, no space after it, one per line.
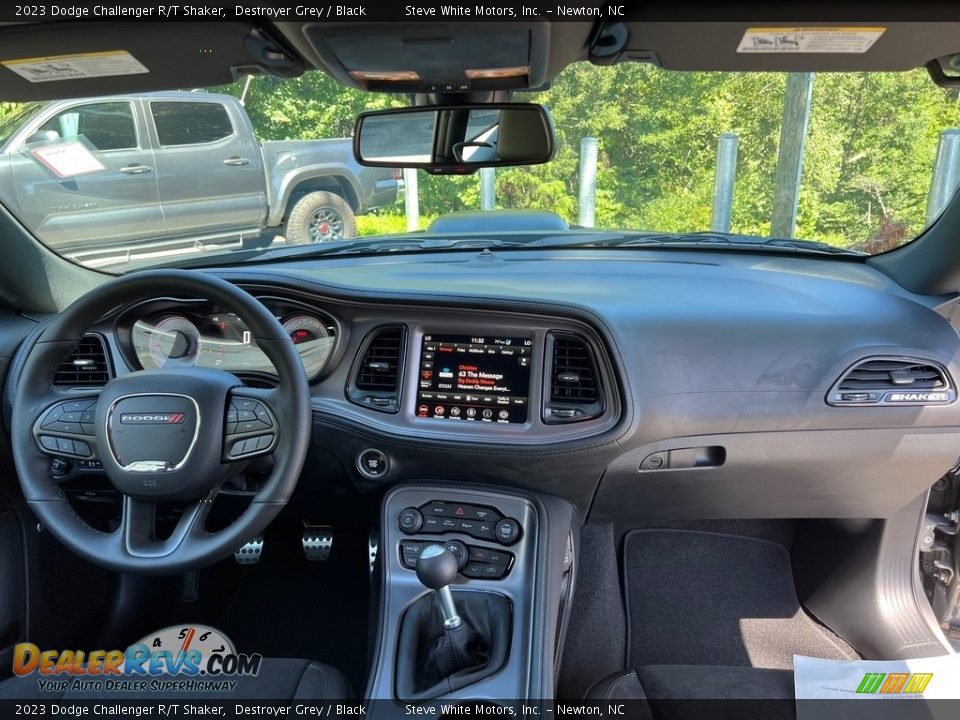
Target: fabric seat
(278,679)
(701,691)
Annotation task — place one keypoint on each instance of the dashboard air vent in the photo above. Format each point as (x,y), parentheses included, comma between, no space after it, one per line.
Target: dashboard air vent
(893,381)
(575,388)
(376,376)
(87,365)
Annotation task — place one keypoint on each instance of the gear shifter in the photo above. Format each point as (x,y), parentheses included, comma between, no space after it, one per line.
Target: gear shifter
(437,569)
(444,647)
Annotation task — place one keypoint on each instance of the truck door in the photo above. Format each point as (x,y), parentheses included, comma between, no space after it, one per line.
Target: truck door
(113,207)
(209,168)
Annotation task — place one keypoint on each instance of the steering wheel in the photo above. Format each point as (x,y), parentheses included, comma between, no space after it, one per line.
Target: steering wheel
(162,435)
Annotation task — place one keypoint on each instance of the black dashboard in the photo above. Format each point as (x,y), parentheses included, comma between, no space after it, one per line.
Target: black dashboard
(636,384)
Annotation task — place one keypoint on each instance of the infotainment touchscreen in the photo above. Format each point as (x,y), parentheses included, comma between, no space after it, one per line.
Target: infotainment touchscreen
(474,378)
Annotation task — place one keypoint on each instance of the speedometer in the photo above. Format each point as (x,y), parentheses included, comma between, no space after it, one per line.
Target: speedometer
(313,339)
(304,328)
(173,341)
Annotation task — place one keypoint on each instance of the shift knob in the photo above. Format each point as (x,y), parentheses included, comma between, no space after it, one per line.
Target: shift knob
(437,567)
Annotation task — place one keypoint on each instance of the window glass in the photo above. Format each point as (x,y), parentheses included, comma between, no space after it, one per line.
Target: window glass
(107,125)
(190,123)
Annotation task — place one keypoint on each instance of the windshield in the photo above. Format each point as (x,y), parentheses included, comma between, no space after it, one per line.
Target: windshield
(854,161)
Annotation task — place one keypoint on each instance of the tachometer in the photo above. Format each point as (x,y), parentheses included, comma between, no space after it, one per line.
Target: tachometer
(173,341)
(313,339)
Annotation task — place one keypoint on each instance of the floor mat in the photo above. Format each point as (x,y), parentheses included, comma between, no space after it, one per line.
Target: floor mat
(699,598)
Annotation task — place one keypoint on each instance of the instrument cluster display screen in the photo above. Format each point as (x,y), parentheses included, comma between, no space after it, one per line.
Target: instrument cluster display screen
(481,379)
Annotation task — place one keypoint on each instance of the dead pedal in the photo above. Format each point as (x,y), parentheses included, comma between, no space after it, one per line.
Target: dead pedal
(249,553)
(317,542)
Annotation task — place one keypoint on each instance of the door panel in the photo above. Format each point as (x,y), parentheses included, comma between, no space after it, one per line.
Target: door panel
(210,173)
(113,206)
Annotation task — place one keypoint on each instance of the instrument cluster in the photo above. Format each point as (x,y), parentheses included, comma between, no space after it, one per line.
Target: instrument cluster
(170,334)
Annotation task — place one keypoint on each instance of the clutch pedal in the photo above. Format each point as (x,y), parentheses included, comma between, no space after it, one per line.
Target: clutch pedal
(317,542)
(249,553)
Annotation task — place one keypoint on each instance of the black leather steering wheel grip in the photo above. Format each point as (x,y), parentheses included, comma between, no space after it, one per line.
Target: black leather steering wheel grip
(198,445)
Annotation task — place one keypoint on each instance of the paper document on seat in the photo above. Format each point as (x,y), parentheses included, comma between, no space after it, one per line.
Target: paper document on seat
(934,678)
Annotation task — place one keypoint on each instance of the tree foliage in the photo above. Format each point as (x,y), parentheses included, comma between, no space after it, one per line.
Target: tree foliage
(870,147)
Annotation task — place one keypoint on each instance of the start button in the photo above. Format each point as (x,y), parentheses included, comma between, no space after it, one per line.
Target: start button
(372,463)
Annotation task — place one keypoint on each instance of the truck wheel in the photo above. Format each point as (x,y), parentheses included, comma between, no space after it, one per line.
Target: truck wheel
(320,217)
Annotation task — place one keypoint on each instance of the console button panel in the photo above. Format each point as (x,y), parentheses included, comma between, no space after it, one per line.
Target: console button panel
(475,562)
(477,521)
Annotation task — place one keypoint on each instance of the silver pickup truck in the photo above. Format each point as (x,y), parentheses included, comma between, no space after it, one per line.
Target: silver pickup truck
(177,168)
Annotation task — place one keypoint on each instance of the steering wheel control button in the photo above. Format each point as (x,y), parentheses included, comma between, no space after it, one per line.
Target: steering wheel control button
(507,531)
(372,463)
(410,520)
(249,428)
(48,442)
(81,448)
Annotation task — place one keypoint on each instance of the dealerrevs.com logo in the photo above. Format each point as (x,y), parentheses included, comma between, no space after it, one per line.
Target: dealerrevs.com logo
(187,658)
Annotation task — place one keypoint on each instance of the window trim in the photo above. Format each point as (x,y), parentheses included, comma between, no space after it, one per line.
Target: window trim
(156,133)
(44,119)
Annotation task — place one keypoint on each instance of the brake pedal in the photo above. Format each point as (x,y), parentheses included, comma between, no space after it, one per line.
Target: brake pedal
(249,553)
(317,542)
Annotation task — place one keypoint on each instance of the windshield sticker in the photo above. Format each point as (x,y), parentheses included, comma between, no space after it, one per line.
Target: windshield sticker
(930,678)
(809,39)
(67,159)
(76,67)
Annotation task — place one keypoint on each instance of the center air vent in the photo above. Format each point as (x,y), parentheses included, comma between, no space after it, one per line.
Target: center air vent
(574,380)
(893,381)
(377,372)
(87,366)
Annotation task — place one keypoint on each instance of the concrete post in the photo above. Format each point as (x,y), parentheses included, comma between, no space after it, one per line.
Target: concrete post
(588,182)
(723,183)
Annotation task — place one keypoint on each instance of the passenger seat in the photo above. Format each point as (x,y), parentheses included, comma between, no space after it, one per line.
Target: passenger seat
(705,691)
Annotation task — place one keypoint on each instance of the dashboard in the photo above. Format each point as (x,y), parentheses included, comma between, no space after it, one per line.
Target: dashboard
(635,384)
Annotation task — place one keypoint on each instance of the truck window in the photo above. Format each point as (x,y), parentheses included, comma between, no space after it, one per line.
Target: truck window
(190,123)
(107,125)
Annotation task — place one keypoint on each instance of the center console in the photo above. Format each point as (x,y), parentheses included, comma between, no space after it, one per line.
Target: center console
(500,573)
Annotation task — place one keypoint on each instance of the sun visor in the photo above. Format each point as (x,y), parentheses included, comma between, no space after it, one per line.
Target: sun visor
(790,47)
(63,60)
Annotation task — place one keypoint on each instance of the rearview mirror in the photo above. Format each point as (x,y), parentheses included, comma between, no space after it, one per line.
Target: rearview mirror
(454,139)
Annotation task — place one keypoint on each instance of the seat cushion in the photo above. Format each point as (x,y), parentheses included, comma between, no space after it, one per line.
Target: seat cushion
(701,691)
(278,679)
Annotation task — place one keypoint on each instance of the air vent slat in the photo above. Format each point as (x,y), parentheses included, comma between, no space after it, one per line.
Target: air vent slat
(86,366)
(893,381)
(379,367)
(889,374)
(574,376)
